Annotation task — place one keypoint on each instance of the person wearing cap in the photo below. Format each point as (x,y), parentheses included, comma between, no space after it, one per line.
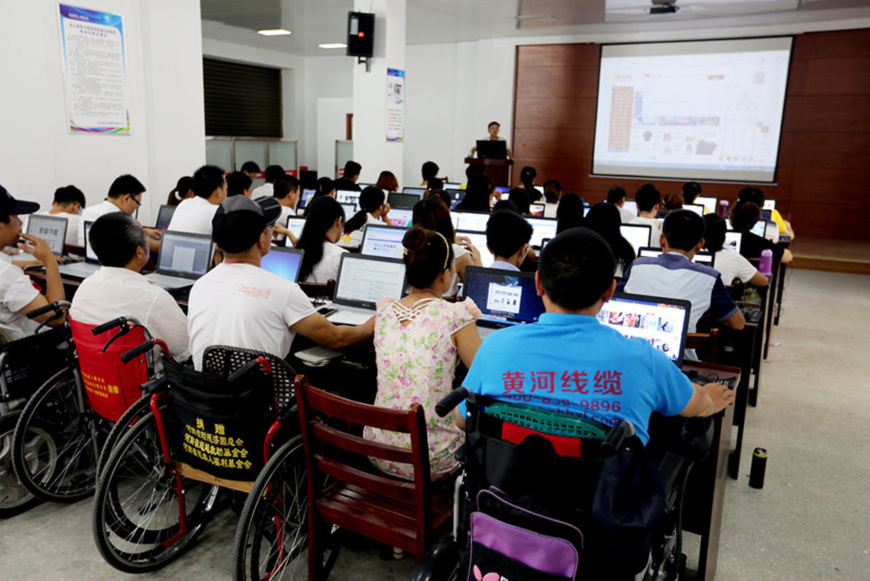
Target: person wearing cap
(241,305)
(125,195)
(195,214)
(118,290)
(18,295)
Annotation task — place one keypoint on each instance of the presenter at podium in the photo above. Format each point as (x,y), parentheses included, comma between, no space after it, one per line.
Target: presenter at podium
(493,151)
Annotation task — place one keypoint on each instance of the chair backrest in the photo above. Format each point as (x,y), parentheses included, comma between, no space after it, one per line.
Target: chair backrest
(28,362)
(223,360)
(704,344)
(111,386)
(327,447)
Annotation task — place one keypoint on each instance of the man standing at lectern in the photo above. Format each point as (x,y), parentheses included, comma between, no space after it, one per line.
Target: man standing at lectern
(492,129)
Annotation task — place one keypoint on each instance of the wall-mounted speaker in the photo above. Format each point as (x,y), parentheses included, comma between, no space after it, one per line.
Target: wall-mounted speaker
(360,34)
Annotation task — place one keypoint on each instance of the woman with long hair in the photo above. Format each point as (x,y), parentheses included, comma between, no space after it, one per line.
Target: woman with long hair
(373,210)
(432,214)
(527,177)
(477,194)
(322,230)
(183,190)
(604,219)
(569,213)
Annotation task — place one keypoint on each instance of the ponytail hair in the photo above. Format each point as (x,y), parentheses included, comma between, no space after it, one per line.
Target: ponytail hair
(370,200)
(427,254)
(322,214)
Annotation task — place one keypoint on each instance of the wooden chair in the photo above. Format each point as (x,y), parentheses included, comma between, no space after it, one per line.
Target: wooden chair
(317,290)
(399,513)
(705,344)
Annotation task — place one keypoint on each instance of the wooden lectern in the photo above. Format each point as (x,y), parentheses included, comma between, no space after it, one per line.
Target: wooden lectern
(499,170)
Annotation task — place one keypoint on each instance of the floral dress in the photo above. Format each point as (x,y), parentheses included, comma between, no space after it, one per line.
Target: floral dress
(416,364)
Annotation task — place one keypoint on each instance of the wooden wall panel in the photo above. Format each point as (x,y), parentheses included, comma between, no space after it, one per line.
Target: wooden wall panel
(824,159)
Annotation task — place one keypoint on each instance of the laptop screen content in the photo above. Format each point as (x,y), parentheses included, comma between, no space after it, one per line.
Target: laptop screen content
(473,222)
(184,254)
(637,235)
(383,241)
(542,228)
(478,240)
(708,203)
(401,217)
(284,262)
(416,191)
(733,240)
(504,297)
(663,323)
(50,228)
(295,225)
(348,197)
(164,216)
(363,281)
(306,197)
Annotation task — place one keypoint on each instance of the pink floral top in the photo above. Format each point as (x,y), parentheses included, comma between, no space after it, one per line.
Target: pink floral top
(416,364)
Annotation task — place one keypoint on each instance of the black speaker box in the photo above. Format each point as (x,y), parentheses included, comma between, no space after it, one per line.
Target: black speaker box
(360,34)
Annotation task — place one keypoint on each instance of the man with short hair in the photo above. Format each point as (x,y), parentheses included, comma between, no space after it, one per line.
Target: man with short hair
(756,196)
(69,201)
(239,304)
(429,170)
(125,195)
(649,202)
(507,238)
(569,362)
(350,177)
(118,290)
(672,274)
(691,190)
(616,197)
(272,174)
(286,192)
(194,214)
(238,184)
(250,169)
(18,295)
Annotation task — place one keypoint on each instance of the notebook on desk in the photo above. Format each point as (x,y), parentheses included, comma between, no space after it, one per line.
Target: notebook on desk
(84,269)
(383,241)
(183,258)
(505,297)
(284,262)
(360,283)
(52,229)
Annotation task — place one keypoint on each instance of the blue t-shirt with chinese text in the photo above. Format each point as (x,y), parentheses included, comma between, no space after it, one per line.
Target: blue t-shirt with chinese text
(573,364)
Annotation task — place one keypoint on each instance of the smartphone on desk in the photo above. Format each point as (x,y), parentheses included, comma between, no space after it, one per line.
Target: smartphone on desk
(326,311)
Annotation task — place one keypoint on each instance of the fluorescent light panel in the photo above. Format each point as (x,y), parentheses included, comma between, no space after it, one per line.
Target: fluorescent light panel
(332,45)
(274,32)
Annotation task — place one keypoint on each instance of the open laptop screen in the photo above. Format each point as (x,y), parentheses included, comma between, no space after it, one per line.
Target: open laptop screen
(478,240)
(759,227)
(89,250)
(406,201)
(541,228)
(383,241)
(295,224)
(663,323)
(631,206)
(50,228)
(708,203)
(769,205)
(184,254)
(473,222)
(401,217)
(416,191)
(348,197)
(305,198)
(284,262)
(696,208)
(704,258)
(504,297)
(164,216)
(638,235)
(733,240)
(363,280)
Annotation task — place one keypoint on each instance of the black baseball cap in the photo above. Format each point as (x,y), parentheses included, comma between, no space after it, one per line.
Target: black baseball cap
(11,206)
(239,221)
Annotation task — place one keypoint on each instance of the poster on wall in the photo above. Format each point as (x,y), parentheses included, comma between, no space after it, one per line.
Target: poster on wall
(395,105)
(95,72)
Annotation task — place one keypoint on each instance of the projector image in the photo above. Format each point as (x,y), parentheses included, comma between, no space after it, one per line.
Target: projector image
(664,7)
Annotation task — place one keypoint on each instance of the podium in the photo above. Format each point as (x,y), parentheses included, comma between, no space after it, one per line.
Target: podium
(499,170)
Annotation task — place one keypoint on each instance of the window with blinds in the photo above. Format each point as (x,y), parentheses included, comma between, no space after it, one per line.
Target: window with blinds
(241,100)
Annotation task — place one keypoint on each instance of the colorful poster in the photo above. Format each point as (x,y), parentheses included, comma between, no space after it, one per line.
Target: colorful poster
(395,105)
(95,72)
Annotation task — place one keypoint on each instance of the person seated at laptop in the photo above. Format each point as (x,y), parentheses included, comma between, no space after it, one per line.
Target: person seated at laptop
(348,181)
(744,215)
(183,190)
(552,194)
(325,188)
(478,194)
(671,202)
(730,264)
(672,274)
(756,196)
(441,195)
(374,210)
(569,214)
(69,201)
(691,190)
(194,214)
(250,169)
(238,184)
(419,341)
(433,185)
(125,195)
(520,197)
(507,238)
(648,200)
(603,376)
(272,173)
(285,191)
(240,304)
(604,219)
(322,230)
(527,177)
(616,197)
(492,135)
(387,181)
(432,214)
(429,171)
(118,290)
(18,295)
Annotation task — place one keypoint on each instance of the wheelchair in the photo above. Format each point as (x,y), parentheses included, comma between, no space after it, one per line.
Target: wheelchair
(550,496)
(201,431)
(62,429)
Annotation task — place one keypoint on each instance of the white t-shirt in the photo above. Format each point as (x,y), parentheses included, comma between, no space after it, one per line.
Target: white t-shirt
(551,210)
(732,265)
(263,191)
(113,292)
(16,292)
(242,305)
(193,215)
(355,238)
(327,268)
(656,230)
(625,215)
(91,213)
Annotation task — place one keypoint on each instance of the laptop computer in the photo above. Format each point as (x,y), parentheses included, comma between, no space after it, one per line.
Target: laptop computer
(765,215)
(478,240)
(488,149)
(401,217)
(505,297)
(84,269)
(360,283)
(349,210)
(733,240)
(164,217)
(452,186)
(631,206)
(183,258)
(705,258)
(383,241)
(758,228)
(662,322)
(456,196)
(305,197)
(404,201)
(638,235)
(419,192)
(541,228)
(769,204)
(696,208)
(284,262)
(709,204)
(51,228)
(473,222)
(295,224)
(348,197)
(536,209)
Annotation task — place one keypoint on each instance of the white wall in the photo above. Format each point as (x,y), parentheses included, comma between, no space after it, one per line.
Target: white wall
(328,79)
(164,83)
(331,126)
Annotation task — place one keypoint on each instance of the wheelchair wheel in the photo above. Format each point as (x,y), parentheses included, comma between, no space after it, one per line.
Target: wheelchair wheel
(56,443)
(127,419)
(14,498)
(272,538)
(136,518)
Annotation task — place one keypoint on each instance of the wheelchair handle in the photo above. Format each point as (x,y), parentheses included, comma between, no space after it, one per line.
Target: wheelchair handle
(100,329)
(56,306)
(260,362)
(616,437)
(450,401)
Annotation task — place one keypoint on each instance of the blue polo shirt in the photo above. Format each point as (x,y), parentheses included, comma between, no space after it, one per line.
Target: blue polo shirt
(573,364)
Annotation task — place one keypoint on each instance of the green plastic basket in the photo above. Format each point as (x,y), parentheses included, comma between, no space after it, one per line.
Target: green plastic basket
(547,422)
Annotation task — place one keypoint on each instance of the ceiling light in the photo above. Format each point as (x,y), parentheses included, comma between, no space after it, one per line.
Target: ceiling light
(333,45)
(274,32)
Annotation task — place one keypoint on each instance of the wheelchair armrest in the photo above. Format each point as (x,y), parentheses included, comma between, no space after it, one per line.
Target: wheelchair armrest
(671,469)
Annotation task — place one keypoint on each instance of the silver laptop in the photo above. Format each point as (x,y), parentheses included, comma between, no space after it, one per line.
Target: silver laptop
(541,228)
(183,258)
(50,228)
(295,224)
(164,217)
(478,240)
(696,208)
(348,197)
(638,235)
(472,221)
(361,282)
(383,241)
(89,266)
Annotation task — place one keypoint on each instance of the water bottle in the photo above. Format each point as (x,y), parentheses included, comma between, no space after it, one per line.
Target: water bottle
(723,208)
(765,265)
(759,465)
